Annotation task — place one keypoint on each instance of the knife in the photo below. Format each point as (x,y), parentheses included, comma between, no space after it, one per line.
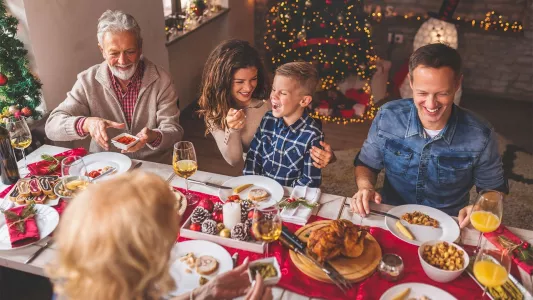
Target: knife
(108,171)
(210,184)
(36,253)
(377,212)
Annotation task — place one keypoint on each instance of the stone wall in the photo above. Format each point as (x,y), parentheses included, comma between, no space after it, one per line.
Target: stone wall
(495,63)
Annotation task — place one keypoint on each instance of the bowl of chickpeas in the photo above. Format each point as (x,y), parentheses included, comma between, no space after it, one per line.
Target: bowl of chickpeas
(442,261)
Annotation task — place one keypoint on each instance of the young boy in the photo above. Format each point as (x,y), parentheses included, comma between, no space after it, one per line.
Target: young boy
(281,146)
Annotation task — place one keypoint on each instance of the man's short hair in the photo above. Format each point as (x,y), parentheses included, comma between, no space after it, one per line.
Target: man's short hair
(436,56)
(117,21)
(303,72)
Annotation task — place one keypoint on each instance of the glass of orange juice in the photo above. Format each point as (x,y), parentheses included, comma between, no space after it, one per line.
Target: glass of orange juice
(487,212)
(492,266)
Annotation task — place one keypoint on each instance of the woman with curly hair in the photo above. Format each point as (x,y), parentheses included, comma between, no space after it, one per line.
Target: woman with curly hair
(115,241)
(234,98)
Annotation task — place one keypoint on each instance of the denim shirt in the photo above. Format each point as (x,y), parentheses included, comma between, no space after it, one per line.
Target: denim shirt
(437,172)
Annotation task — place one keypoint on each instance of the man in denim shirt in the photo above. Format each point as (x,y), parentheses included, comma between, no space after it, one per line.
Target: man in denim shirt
(432,151)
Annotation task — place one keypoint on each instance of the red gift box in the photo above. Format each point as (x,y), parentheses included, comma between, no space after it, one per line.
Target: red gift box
(504,232)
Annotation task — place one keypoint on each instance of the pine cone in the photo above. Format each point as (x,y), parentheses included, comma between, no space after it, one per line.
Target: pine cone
(209,227)
(217,206)
(239,232)
(248,225)
(246,205)
(200,214)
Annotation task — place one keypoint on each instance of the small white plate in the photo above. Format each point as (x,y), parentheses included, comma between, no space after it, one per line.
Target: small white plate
(186,282)
(417,291)
(270,185)
(47,219)
(100,160)
(448,229)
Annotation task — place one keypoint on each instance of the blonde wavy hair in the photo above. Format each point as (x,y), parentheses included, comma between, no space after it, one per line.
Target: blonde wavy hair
(115,240)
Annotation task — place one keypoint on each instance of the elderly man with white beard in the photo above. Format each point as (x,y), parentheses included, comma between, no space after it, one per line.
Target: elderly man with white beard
(125,93)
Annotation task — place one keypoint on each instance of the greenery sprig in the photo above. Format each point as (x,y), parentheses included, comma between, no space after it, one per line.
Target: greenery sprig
(55,161)
(18,220)
(291,203)
(522,250)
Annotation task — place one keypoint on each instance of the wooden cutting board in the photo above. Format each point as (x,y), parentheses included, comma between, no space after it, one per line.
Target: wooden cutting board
(353,269)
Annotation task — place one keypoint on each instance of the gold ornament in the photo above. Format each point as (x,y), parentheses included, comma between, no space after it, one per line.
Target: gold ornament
(220,226)
(225,233)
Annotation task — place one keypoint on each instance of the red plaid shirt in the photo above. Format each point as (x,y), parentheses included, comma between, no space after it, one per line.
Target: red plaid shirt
(127,99)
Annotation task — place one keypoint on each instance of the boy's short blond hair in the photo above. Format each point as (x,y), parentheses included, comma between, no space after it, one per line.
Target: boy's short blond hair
(303,72)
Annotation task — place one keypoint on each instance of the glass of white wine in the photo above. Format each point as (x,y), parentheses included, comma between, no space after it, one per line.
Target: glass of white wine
(20,136)
(185,165)
(266,225)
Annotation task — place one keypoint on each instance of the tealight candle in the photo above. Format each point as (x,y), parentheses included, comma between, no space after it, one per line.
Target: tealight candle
(231,213)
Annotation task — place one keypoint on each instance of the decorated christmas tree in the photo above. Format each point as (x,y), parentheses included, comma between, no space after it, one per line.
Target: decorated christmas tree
(334,35)
(20,92)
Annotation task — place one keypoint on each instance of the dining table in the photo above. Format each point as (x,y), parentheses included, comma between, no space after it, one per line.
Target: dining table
(330,207)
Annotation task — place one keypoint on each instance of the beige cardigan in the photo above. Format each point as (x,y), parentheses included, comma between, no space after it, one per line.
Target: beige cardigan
(93,96)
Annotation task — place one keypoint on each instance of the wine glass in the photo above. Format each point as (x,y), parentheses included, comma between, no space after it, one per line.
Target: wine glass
(266,225)
(492,266)
(487,212)
(185,165)
(20,136)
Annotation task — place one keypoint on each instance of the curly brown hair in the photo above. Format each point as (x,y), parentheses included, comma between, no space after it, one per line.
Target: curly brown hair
(215,92)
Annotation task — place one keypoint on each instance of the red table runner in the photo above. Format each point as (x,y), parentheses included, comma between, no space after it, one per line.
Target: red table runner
(373,287)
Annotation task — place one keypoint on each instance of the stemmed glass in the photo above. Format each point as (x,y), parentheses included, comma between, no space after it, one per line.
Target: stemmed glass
(185,165)
(20,136)
(487,212)
(266,225)
(491,267)
(73,166)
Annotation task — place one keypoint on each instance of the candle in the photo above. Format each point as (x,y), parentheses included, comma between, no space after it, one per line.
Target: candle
(231,212)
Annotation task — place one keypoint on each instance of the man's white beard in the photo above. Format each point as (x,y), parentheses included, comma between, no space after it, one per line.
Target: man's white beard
(124,75)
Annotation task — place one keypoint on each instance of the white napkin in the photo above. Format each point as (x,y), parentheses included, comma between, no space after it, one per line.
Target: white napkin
(301,214)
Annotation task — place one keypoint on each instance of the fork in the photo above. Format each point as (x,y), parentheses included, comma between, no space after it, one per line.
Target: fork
(258,105)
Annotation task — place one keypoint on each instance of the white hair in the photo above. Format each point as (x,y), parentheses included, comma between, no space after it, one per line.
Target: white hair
(117,21)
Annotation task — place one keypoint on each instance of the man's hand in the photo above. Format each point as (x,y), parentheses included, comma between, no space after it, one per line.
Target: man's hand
(96,127)
(321,158)
(235,118)
(145,136)
(360,201)
(464,216)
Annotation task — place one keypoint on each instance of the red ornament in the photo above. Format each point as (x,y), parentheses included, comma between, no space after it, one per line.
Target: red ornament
(26,111)
(322,25)
(3,79)
(328,2)
(17,115)
(327,66)
(358,96)
(253,213)
(217,216)
(195,227)
(207,204)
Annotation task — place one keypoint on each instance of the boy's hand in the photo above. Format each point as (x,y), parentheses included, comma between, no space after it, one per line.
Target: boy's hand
(321,158)
(235,118)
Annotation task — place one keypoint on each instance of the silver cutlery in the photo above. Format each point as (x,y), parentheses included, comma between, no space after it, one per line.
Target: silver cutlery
(39,251)
(380,213)
(108,171)
(210,184)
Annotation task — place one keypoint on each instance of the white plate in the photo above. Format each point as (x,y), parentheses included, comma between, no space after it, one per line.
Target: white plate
(186,282)
(448,229)
(270,185)
(100,160)
(417,291)
(47,219)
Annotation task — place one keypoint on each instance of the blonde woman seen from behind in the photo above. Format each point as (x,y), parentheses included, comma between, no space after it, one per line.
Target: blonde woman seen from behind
(114,242)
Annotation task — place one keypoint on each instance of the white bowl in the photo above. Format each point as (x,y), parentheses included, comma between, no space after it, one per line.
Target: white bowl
(270,280)
(124,146)
(438,274)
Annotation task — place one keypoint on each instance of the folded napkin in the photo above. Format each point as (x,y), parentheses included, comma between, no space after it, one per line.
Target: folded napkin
(503,238)
(30,234)
(45,167)
(301,214)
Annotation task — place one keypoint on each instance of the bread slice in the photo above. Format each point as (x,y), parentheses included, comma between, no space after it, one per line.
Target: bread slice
(258,195)
(206,265)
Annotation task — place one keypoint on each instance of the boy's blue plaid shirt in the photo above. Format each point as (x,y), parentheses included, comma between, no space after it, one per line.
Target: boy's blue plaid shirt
(282,152)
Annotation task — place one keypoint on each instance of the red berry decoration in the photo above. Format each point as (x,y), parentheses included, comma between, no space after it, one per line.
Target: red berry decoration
(26,111)
(207,204)
(217,216)
(195,227)
(17,115)
(250,214)
(3,79)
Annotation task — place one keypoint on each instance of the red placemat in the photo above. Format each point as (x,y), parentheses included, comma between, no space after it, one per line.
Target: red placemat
(294,280)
